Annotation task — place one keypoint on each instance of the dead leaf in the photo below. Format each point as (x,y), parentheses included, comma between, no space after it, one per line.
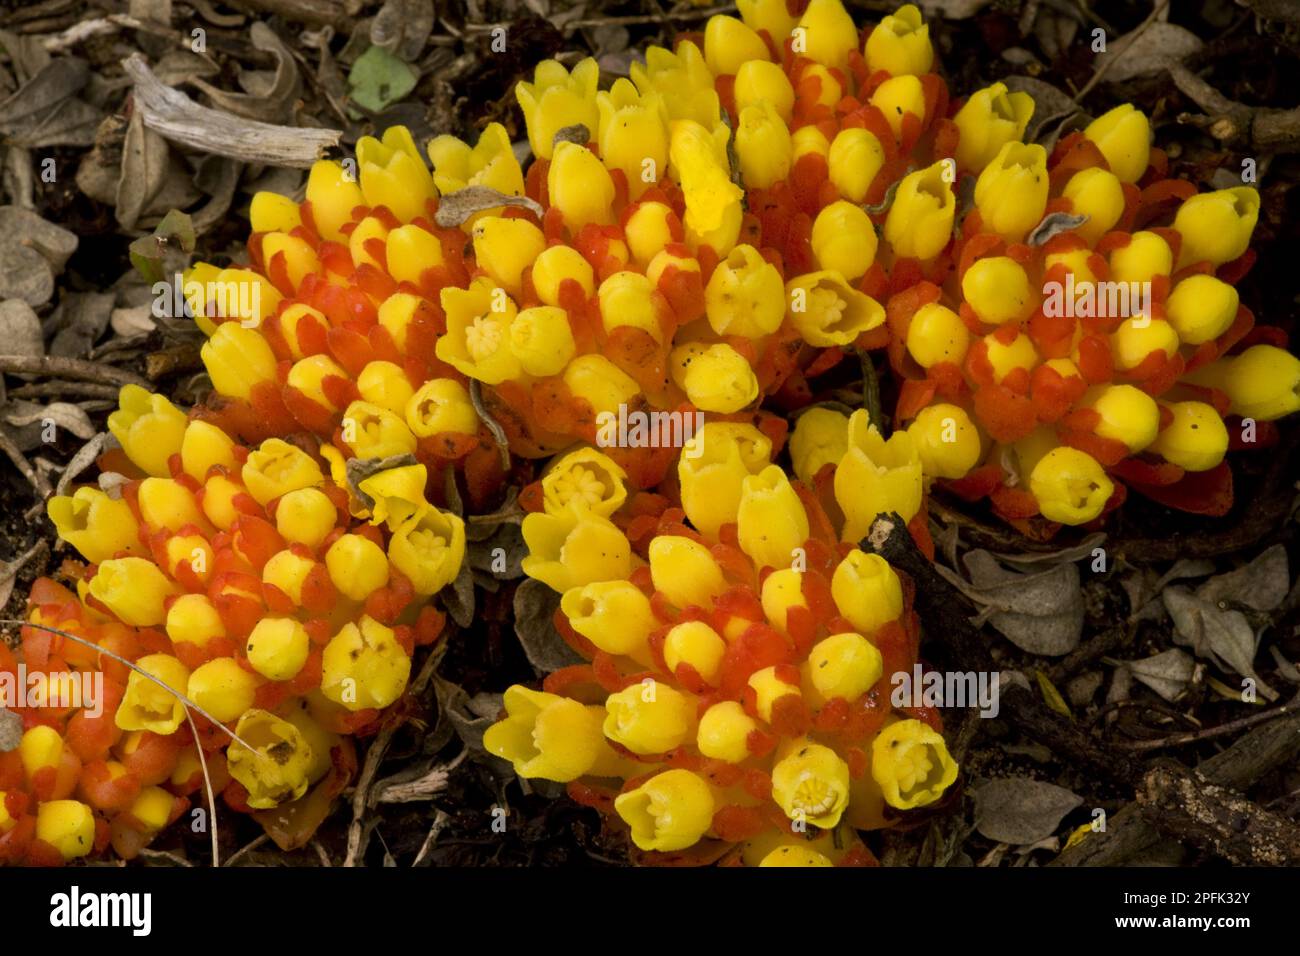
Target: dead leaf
(1050,104)
(80,320)
(11,730)
(455,705)
(535,605)
(32,252)
(20,329)
(1167,673)
(456,207)
(1222,636)
(1147,51)
(270,97)
(1040,612)
(51,86)
(1262,584)
(1020,810)
(402,27)
(144,168)
(1053,224)
(64,415)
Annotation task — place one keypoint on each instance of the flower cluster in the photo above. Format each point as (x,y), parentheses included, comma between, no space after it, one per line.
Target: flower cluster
(737,700)
(244,581)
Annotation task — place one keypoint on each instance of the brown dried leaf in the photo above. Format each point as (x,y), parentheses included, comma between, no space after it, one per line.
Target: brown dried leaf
(144,169)
(270,99)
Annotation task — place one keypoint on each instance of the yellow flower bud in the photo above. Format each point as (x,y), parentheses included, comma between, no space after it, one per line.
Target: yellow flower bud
(364,666)
(1011,192)
(729,43)
(237,359)
(277,769)
(828,34)
(782,590)
(308,377)
(911,764)
(1128,415)
(843,665)
(505,247)
(298,256)
(397,494)
(95,524)
(477,342)
(305,516)
(1124,137)
(989,120)
(1069,486)
(66,825)
(682,80)
(271,212)
(684,571)
(197,281)
(1146,256)
(246,296)
(395,314)
(193,619)
(712,469)
(192,551)
(573,548)
(625,301)
(558,263)
(696,644)
(723,732)
(649,717)
(360,247)
(146,705)
(613,615)
(393,174)
(867,591)
(133,589)
(278,647)
(580,187)
(557,99)
(219,494)
(601,383)
(40,747)
(409,250)
(288,572)
(632,136)
(844,239)
(548,736)
(385,384)
(491,162)
(1216,227)
(429,549)
(900,44)
(587,480)
(821,436)
(1007,357)
(1098,195)
(166,503)
(771,521)
(670,811)
(828,311)
(1138,337)
(277,468)
(357,566)
(876,476)
(1263,383)
(152,809)
(795,856)
(854,159)
(149,428)
(647,232)
(898,96)
(997,288)
(1196,439)
(811,784)
(744,295)
(374,432)
(946,440)
(768,689)
(713,201)
(223,688)
(203,446)
(937,334)
(333,193)
(808,140)
(763,145)
(1201,308)
(771,15)
(760,80)
(919,222)
(441,405)
(716,378)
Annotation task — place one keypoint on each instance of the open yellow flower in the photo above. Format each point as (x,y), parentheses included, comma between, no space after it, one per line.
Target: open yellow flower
(911,764)
(876,476)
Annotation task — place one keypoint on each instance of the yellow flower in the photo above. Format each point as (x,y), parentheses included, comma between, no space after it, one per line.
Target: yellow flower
(625,301)
(573,548)
(1099,195)
(685,571)
(277,769)
(716,378)
(1069,486)
(1147,255)
(333,193)
(271,212)
(811,784)
(237,359)
(504,248)
(649,717)
(223,688)
(1263,383)
(712,470)
(1011,192)
(1127,415)
(364,666)
(828,311)
(911,764)
(724,730)
(844,239)
(613,615)
(149,428)
(946,440)
(555,265)
(795,855)
(385,384)
(146,705)
(633,135)
(1201,308)
(441,405)
(580,186)
(193,619)
(713,201)
(1124,137)
(601,383)
(398,493)
(547,736)
(997,288)
(990,119)
(683,81)
(919,222)
(586,480)
(203,447)
(556,100)
(729,43)
(937,334)
(393,173)
(66,825)
(491,162)
(1216,227)
(1196,439)
(854,158)
(696,644)
(277,468)
(477,342)
(1007,357)
(771,521)
(898,96)
(763,145)
(821,436)
(668,812)
(133,589)
(743,296)
(829,34)
(771,15)
(867,591)
(763,81)
(95,524)
(900,44)
(1138,337)
(843,665)
(876,477)
(429,548)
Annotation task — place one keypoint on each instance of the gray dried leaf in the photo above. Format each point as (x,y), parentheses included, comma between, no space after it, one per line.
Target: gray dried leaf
(1080,551)
(24,275)
(270,96)
(402,27)
(1040,612)
(454,705)
(11,730)
(456,207)
(535,605)
(54,83)
(71,123)
(1053,224)
(1148,50)
(25,228)
(181,66)
(144,169)
(218,177)
(20,329)
(1167,673)
(64,415)
(1020,810)
(82,319)
(135,320)
(1222,636)
(1262,584)
(458,597)
(499,555)
(1055,32)
(359,469)
(1051,105)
